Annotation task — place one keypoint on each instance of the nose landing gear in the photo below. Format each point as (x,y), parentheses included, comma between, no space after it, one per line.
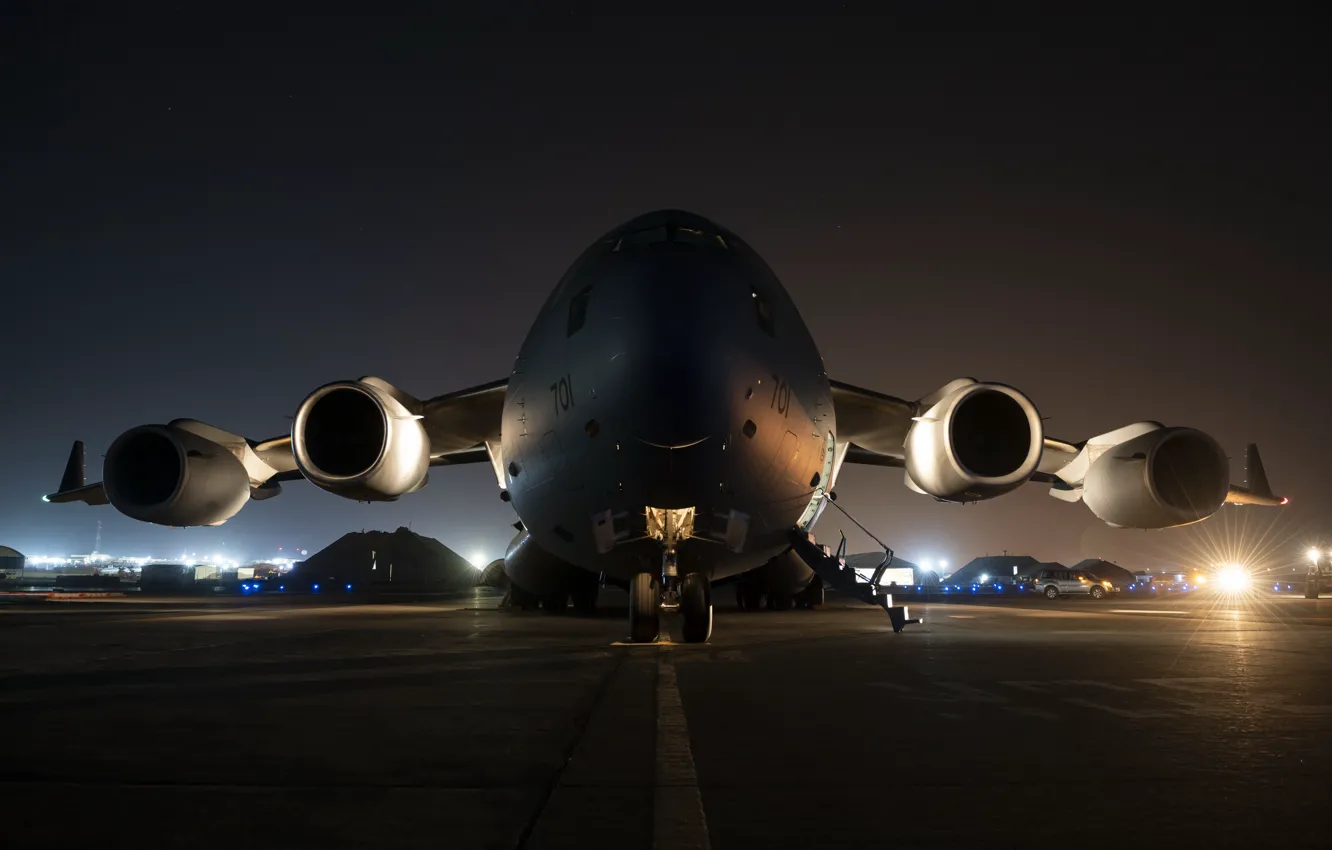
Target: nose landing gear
(650,594)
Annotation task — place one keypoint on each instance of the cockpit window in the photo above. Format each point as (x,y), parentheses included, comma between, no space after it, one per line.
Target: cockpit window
(578,310)
(656,237)
(642,239)
(764,313)
(693,236)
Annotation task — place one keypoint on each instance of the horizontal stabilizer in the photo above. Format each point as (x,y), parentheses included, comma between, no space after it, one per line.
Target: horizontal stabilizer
(91,494)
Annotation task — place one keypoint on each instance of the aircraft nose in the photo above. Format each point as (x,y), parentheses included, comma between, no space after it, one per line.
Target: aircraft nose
(678,401)
(678,364)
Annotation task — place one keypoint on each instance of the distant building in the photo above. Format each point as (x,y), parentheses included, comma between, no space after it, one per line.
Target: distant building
(11,562)
(1002,567)
(493,575)
(900,570)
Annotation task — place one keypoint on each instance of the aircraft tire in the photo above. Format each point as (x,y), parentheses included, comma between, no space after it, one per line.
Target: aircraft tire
(555,603)
(644,608)
(811,597)
(696,607)
(753,593)
(585,599)
(523,600)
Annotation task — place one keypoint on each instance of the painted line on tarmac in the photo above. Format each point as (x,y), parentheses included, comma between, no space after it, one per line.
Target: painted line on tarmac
(678,820)
(1148,611)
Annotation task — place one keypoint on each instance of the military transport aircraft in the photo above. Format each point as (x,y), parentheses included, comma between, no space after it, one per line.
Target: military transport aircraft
(667,424)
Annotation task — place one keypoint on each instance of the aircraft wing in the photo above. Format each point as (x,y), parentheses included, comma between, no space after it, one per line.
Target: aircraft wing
(938,437)
(459,427)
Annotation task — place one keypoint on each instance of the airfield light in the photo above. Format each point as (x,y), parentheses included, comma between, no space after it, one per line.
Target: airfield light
(1314,555)
(1234,578)
(984,577)
(943,565)
(926,564)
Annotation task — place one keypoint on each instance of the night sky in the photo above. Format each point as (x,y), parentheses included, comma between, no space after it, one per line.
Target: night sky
(211,216)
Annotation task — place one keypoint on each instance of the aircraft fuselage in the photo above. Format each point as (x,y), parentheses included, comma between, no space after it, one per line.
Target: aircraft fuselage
(668,371)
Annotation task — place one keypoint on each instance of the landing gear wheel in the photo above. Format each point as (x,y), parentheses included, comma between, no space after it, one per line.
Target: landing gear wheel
(585,599)
(812,596)
(556,602)
(696,607)
(781,601)
(644,605)
(523,600)
(1052,592)
(1311,590)
(753,595)
(1097,592)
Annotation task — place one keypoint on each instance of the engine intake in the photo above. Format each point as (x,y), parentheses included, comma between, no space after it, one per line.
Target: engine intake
(979,441)
(1161,479)
(361,440)
(168,476)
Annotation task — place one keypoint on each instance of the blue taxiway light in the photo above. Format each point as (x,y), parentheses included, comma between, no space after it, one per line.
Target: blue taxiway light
(282,587)
(349,587)
(315,588)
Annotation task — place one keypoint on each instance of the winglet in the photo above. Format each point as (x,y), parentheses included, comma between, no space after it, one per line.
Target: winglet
(72,486)
(1256,490)
(73,478)
(1255,478)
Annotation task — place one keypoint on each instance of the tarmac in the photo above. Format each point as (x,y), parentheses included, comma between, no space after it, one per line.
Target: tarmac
(330,721)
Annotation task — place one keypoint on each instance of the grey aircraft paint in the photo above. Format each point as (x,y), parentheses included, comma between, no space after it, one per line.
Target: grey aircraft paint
(669,369)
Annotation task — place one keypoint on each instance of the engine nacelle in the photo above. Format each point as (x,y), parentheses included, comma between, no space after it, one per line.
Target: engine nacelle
(168,476)
(977,442)
(1164,478)
(361,440)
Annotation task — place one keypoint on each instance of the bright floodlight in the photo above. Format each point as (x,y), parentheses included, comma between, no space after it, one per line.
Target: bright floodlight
(1234,578)
(926,564)
(943,565)
(985,577)
(478,560)
(1314,555)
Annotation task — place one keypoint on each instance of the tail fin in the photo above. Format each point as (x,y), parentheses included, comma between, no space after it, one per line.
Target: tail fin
(1255,478)
(73,477)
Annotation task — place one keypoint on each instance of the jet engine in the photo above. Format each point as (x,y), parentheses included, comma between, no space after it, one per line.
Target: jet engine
(1164,478)
(361,440)
(977,442)
(170,476)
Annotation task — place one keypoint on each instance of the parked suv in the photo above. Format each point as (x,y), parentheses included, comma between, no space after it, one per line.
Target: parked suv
(1057,583)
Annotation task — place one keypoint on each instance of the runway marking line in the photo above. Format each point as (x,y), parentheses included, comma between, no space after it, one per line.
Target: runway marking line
(678,819)
(1148,611)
